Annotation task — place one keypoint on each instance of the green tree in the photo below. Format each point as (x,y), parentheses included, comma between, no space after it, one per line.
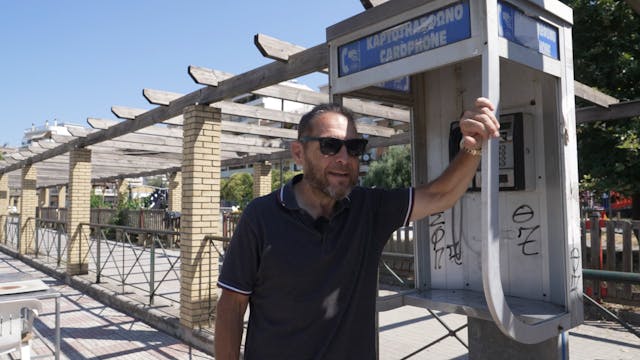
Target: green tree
(286,176)
(237,189)
(97,201)
(392,170)
(606,42)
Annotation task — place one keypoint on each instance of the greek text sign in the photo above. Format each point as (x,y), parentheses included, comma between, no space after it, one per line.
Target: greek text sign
(521,29)
(429,31)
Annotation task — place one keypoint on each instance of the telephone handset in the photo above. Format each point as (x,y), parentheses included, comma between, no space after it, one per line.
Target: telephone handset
(511,157)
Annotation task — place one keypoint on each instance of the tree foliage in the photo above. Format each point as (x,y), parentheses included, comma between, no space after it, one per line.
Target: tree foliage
(606,42)
(392,170)
(237,189)
(287,175)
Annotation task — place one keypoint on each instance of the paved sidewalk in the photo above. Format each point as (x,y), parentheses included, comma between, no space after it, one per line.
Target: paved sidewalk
(91,330)
(407,329)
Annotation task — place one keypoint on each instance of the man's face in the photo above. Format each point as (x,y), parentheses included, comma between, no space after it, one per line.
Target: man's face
(334,175)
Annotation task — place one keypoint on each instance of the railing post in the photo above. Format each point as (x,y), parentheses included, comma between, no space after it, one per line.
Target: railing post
(18,232)
(98,254)
(59,247)
(596,251)
(153,269)
(37,236)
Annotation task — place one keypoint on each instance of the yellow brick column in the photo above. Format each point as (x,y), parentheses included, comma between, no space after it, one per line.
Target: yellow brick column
(78,211)
(261,179)
(62,197)
(28,203)
(200,215)
(175,191)
(4,204)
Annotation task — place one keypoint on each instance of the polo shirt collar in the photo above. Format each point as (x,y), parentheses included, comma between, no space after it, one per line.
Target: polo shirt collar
(287,198)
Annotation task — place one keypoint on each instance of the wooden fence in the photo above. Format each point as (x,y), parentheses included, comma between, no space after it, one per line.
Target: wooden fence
(611,247)
(150,219)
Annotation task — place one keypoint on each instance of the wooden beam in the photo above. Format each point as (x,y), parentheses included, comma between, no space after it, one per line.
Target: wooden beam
(171,132)
(617,111)
(160,97)
(358,106)
(282,91)
(228,126)
(593,95)
(368,4)
(275,49)
(256,112)
(299,64)
(206,76)
(124,112)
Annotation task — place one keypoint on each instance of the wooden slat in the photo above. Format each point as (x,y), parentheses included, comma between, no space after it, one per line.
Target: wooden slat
(620,110)
(368,4)
(229,126)
(150,130)
(285,92)
(159,97)
(593,95)
(124,112)
(256,112)
(205,76)
(275,49)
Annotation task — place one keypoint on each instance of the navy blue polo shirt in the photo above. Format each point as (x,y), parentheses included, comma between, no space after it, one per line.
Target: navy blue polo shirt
(312,283)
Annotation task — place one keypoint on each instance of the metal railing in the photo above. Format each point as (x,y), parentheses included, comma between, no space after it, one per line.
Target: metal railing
(11,230)
(144,259)
(214,251)
(51,241)
(396,263)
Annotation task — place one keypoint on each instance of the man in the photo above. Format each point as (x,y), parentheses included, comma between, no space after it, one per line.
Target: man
(306,256)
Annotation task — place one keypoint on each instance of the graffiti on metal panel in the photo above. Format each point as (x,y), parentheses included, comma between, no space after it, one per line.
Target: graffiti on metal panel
(438,239)
(526,234)
(576,275)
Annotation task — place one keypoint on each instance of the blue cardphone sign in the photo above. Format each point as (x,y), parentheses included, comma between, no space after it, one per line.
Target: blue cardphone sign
(429,31)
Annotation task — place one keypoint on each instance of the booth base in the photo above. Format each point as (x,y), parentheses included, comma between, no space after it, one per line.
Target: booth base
(487,342)
(473,304)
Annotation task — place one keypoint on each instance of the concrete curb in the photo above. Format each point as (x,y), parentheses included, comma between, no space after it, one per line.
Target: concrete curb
(201,340)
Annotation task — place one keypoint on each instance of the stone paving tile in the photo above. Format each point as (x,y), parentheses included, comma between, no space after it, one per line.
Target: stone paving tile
(407,329)
(91,330)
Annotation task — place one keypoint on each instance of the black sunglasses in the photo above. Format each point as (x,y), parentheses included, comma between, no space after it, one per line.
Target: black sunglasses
(331,146)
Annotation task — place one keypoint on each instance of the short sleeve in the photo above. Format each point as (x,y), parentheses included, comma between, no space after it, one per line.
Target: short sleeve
(394,210)
(242,258)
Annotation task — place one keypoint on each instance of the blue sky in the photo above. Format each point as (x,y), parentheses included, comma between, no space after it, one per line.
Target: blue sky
(70,60)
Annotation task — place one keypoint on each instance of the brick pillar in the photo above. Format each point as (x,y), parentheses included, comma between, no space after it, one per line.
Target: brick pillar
(4,204)
(28,203)
(261,179)
(62,197)
(78,211)
(175,191)
(200,215)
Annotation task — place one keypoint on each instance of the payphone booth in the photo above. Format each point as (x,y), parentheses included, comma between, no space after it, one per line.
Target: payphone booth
(509,251)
